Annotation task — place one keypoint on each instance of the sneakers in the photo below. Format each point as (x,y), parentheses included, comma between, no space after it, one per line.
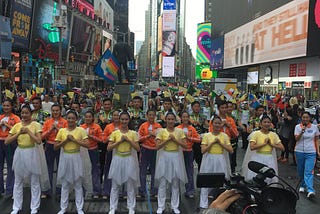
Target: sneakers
(189,196)
(311,195)
(62,212)
(159,211)
(131,211)
(112,211)
(105,197)
(284,160)
(176,211)
(95,197)
(302,190)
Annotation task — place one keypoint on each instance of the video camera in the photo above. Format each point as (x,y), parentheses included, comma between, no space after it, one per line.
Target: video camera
(257,197)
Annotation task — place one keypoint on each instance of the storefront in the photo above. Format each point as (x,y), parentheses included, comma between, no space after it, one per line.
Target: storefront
(301,77)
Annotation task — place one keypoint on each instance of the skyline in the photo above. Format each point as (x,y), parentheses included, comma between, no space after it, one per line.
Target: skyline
(194,15)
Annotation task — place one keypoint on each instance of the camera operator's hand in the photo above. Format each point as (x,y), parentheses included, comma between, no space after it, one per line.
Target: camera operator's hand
(225,199)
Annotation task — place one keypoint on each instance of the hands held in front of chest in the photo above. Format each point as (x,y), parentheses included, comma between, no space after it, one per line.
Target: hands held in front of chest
(215,141)
(24,130)
(267,141)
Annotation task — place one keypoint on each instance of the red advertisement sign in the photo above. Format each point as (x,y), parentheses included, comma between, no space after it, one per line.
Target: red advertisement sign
(302,69)
(293,70)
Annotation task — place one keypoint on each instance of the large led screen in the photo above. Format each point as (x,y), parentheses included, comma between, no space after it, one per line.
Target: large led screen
(203,43)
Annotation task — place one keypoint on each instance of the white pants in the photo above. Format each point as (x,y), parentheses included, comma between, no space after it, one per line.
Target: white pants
(204,192)
(114,195)
(18,193)
(78,191)
(174,193)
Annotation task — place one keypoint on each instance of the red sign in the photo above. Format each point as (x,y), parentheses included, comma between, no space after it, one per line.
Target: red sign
(288,84)
(302,69)
(307,84)
(293,70)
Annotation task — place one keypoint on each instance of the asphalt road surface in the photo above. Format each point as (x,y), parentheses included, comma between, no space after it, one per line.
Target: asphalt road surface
(187,206)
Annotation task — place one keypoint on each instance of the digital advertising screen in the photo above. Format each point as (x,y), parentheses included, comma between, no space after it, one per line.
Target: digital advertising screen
(203,42)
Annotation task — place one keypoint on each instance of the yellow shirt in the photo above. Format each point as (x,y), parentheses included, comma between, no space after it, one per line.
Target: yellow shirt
(163,135)
(215,148)
(125,146)
(259,138)
(78,133)
(24,140)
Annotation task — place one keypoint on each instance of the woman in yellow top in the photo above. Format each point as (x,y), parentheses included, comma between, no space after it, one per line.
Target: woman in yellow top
(71,167)
(215,146)
(26,160)
(124,167)
(262,147)
(170,167)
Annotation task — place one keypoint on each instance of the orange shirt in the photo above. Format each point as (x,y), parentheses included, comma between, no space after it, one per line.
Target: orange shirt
(94,133)
(231,131)
(50,134)
(107,131)
(192,136)
(12,119)
(148,142)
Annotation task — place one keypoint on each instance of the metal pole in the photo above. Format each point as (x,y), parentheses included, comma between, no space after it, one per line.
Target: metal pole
(60,36)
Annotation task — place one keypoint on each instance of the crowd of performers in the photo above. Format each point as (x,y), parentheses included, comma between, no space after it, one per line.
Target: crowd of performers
(108,152)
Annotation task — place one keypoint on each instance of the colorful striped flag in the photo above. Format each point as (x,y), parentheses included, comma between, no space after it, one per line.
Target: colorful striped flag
(107,67)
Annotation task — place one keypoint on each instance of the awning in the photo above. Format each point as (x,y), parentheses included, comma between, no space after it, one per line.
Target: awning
(5,38)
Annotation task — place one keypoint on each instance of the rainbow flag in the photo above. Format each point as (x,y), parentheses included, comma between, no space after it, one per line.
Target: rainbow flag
(107,67)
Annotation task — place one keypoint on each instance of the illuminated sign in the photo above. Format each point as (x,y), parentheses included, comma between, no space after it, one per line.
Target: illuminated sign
(203,43)
(280,34)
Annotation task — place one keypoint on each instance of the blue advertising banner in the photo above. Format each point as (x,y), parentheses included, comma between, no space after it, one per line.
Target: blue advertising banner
(5,38)
(169,4)
(21,23)
(216,54)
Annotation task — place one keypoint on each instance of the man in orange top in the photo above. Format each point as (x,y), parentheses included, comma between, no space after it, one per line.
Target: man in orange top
(148,151)
(49,131)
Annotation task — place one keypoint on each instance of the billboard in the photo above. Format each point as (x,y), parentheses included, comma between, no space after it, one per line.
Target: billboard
(5,38)
(104,11)
(21,23)
(216,54)
(159,33)
(280,34)
(243,11)
(44,38)
(168,43)
(169,20)
(168,67)
(81,39)
(203,72)
(169,4)
(203,42)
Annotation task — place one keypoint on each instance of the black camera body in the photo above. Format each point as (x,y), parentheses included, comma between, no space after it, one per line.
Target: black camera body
(256,197)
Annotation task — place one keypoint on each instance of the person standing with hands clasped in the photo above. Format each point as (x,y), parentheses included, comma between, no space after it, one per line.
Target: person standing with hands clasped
(170,167)
(192,136)
(215,147)
(262,147)
(306,151)
(71,170)
(27,160)
(124,166)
